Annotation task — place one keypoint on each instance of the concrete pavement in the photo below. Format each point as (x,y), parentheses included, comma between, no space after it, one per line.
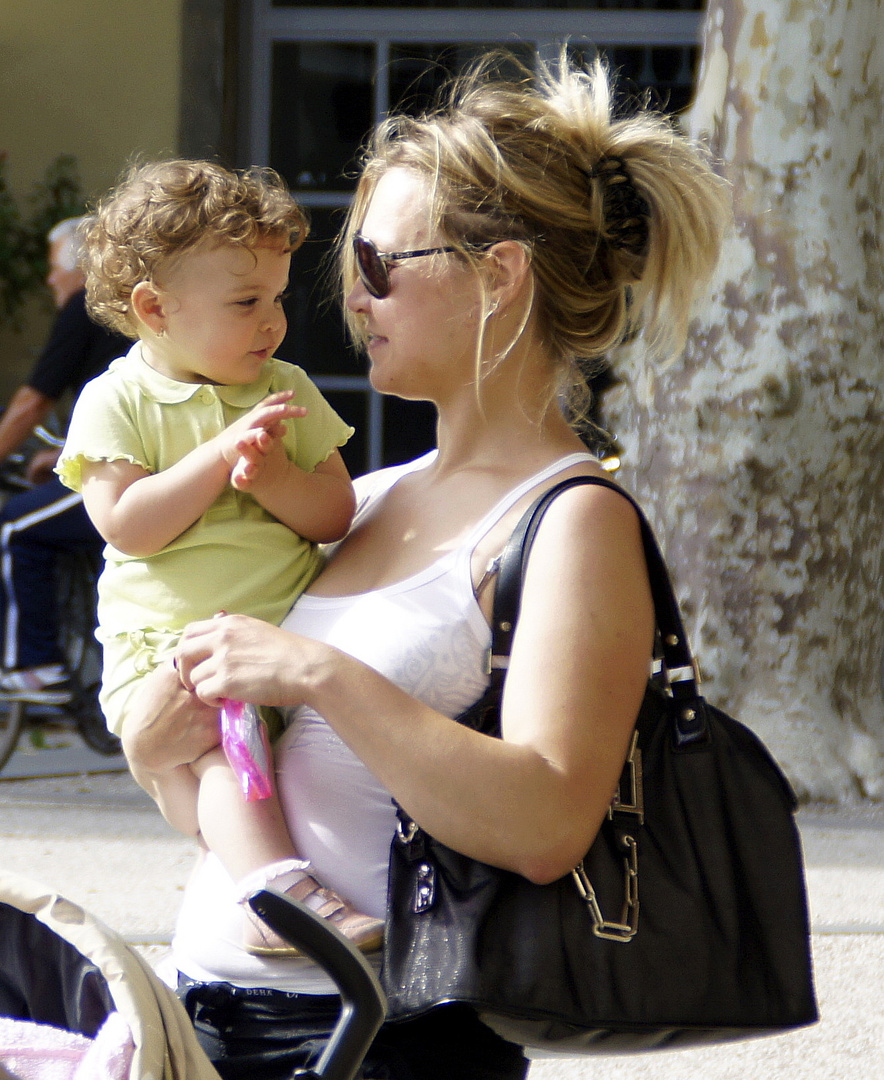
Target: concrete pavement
(77,822)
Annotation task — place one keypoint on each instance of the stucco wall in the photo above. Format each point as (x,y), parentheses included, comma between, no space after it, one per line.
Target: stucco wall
(98,79)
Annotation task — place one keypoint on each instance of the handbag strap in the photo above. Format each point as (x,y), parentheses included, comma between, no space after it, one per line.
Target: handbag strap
(679,666)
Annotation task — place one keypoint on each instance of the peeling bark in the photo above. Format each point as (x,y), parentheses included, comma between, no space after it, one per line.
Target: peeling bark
(760,452)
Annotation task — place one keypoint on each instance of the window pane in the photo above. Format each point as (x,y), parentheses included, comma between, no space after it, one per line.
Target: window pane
(315,339)
(667,71)
(321,110)
(418,70)
(409,429)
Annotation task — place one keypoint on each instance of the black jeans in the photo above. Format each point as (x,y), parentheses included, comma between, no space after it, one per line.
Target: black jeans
(268,1034)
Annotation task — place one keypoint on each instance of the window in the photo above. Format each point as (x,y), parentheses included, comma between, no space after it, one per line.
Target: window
(319,76)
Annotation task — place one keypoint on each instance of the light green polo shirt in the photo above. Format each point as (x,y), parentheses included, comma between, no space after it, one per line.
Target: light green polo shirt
(236,557)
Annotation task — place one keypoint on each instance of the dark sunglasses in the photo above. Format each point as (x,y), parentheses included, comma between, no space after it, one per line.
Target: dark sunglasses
(372,264)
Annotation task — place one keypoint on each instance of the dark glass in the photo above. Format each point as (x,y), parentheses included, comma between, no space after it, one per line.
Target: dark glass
(321,110)
(662,74)
(418,71)
(409,429)
(315,339)
(352,406)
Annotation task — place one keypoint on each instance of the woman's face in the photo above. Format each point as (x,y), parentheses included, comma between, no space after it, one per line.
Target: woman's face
(421,337)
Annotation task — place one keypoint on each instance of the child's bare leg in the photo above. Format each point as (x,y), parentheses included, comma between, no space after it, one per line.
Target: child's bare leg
(244,835)
(252,841)
(197,792)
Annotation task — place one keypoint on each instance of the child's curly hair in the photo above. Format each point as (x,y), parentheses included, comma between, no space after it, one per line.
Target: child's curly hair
(160,211)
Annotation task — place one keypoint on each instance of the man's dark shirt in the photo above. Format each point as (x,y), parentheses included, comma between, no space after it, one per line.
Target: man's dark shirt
(78,349)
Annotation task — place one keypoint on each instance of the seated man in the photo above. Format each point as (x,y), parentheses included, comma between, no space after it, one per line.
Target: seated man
(39,523)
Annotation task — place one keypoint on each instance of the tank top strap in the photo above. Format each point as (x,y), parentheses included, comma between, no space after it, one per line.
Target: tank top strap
(512,497)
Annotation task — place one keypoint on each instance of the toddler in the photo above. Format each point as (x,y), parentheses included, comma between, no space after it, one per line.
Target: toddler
(211,468)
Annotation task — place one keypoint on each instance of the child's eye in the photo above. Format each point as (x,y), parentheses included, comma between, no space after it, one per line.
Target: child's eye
(283,296)
(247,303)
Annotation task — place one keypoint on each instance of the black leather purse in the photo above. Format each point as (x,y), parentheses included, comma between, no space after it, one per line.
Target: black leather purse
(686,921)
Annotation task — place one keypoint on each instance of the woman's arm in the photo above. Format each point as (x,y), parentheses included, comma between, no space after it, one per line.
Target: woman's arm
(140,513)
(530,802)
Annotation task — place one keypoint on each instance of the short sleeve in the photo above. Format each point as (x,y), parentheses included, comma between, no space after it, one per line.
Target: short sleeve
(321,431)
(102,428)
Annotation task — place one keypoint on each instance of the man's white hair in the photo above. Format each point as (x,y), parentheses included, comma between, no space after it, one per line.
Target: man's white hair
(71,232)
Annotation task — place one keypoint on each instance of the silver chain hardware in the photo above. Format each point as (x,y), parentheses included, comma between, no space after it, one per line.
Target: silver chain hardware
(628,799)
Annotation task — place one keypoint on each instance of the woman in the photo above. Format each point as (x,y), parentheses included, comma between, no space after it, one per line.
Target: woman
(490,247)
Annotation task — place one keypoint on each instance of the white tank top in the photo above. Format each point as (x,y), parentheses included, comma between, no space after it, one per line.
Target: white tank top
(427,634)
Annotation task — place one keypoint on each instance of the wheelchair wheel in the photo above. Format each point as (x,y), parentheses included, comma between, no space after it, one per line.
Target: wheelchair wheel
(12,719)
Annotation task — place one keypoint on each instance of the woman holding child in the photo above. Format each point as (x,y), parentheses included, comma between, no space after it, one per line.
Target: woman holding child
(490,246)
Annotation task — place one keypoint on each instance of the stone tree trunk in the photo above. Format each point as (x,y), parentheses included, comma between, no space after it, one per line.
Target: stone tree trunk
(760,452)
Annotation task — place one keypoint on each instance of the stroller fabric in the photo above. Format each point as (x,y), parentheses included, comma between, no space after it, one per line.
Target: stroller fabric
(63,968)
(40,1052)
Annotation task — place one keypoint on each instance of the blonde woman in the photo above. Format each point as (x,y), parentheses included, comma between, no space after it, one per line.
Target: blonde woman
(491,246)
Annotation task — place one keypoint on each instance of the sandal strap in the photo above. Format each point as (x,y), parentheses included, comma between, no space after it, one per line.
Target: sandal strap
(321,900)
(281,875)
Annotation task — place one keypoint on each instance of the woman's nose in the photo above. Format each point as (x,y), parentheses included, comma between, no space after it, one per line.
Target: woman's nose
(358,298)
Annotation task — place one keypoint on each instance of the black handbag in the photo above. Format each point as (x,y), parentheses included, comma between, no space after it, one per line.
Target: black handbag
(686,921)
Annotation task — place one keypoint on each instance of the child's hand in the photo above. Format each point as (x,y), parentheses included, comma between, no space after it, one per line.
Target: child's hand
(261,460)
(266,419)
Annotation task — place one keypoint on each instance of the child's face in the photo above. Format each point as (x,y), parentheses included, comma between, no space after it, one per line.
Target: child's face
(222,316)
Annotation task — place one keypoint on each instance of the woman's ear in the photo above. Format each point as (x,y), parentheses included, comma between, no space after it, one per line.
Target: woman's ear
(147,306)
(509,268)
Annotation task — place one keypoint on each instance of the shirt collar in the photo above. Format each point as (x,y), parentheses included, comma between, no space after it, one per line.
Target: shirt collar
(165,391)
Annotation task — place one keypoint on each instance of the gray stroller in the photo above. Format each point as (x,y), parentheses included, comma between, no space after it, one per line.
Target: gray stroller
(76,1002)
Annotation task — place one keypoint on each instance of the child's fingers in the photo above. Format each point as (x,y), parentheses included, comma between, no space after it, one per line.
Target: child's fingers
(242,474)
(254,445)
(280,406)
(276,397)
(279,413)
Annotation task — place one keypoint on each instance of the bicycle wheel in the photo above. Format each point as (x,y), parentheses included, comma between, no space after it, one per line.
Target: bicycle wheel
(76,601)
(77,576)
(91,724)
(12,718)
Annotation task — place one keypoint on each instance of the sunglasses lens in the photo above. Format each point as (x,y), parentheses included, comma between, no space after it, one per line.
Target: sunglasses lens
(371,268)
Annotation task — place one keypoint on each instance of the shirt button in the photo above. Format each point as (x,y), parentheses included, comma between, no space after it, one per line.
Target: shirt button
(206,396)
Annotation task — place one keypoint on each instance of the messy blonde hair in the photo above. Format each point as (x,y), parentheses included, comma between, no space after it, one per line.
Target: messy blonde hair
(623,218)
(162,210)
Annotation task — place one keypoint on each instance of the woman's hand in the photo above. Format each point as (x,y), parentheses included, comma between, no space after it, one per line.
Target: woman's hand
(235,656)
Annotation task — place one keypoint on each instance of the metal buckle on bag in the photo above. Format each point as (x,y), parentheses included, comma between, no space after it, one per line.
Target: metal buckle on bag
(688,673)
(406,833)
(626,929)
(629,797)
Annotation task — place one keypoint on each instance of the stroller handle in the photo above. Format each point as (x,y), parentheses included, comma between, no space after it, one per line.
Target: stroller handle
(363,1004)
